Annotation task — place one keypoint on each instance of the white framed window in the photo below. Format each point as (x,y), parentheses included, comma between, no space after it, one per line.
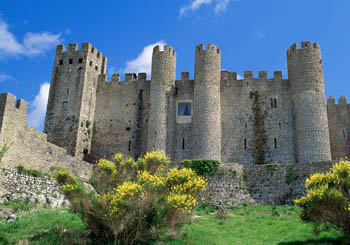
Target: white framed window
(184,111)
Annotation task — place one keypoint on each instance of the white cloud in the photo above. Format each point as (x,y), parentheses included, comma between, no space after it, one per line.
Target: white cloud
(37,112)
(196,4)
(6,77)
(143,62)
(32,44)
(239,77)
(260,34)
(220,5)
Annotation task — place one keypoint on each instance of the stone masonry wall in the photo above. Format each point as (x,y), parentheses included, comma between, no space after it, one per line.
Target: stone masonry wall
(339,127)
(28,146)
(16,185)
(274,184)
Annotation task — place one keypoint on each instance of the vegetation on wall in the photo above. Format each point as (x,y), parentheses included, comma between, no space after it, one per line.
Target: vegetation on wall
(328,198)
(203,167)
(33,172)
(259,136)
(134,200)
(3,150)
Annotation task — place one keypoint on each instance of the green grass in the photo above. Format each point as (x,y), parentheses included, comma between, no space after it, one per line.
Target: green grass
(254,224)
(50,226)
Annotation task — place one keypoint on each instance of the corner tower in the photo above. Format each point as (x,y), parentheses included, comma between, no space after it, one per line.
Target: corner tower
(308,100)
(72,97)
(206,142)
(163,79)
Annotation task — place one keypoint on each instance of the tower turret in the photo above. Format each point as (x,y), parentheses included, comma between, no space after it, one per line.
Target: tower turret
(72,97)
(206,141)
(308,100)
(163,79)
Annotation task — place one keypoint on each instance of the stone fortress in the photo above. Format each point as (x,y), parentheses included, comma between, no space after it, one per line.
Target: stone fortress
(216,115)
(212,116)
(237,121)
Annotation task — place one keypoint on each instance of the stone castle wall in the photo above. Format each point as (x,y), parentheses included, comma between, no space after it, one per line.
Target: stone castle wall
(339,127)
(130,118)
(274,184)
(28,146)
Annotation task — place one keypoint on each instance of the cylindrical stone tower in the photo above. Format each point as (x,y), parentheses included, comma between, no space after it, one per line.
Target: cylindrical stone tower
(206,142)
(308,100)
(163,78)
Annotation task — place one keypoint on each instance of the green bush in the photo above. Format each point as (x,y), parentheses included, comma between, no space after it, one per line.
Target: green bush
(203,167)
(328,198)
(134,200)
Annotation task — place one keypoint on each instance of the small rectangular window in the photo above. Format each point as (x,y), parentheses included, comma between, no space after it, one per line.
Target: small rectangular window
(184,109)
(81,60)
(96,68)
(275,142)
(90,63)
(61,62)
(65,105)
(70,61)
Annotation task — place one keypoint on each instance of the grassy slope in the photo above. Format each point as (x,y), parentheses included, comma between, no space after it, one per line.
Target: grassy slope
(254,225)
(46,226)
(246,224)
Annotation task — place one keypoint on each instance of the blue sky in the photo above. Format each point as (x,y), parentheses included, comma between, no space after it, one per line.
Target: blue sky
(252,35)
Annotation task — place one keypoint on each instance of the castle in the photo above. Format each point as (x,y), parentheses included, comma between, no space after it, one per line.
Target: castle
(216,115)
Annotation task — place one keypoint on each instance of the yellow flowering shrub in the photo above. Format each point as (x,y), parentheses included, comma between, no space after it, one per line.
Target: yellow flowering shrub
(183,202)
(328,197)
(135,200)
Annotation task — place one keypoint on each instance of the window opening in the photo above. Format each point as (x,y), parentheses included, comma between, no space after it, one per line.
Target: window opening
(275,142)
(129,147)
(70,61)
(245,125)
(81,60)
(65,105)
(90,63)
(67,90)
(61,62)
(280,125)
(271,102)
(245,144)
(96,68)
(184,109)
(344,135)
(275,102)
(183,144)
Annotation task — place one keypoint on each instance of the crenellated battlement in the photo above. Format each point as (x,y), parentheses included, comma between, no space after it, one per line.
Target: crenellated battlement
(304,46)
(12,111)
(341,101)
(85,47)
(166,50)
(226,75)
(210,48)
